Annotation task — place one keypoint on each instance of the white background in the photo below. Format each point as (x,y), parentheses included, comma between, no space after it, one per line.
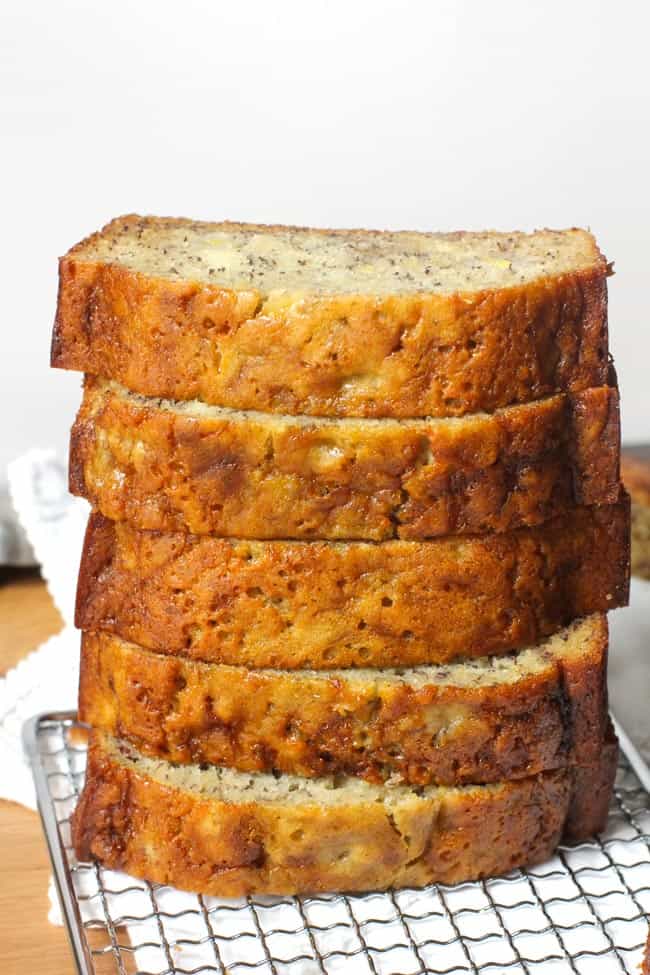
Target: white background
(432,115)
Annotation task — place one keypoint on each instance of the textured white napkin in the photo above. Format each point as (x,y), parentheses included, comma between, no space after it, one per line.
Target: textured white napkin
(47,680)
(14,548)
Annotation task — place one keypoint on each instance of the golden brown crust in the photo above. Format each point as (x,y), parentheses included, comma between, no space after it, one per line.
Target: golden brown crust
(354,355)
(299,722)
(327,605)
(255,476)
(129,821)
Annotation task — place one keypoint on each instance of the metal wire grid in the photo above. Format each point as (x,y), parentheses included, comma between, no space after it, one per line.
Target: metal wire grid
(584,911)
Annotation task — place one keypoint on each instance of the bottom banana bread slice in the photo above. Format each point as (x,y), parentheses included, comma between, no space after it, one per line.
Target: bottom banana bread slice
(226,833)
(479,720)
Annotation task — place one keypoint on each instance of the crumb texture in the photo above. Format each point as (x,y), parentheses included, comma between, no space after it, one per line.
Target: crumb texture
(268,258)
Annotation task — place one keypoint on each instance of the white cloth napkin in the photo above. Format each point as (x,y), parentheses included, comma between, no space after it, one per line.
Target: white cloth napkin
(14,548)
(46,680)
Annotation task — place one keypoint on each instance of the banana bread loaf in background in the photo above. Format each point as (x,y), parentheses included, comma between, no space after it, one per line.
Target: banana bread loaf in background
(635,474)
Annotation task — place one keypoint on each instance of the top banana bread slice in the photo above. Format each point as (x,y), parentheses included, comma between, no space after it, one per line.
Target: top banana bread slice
(322,322)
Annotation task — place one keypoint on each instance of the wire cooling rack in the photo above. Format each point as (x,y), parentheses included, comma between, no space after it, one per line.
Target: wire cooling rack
(584,911)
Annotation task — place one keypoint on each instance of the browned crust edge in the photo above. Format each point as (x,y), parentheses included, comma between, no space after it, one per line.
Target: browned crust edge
(162,470)
(417,355)
(188,712)
(321,605)
(130,822)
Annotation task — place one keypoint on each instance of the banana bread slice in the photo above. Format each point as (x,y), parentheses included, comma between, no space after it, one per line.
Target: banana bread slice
(325,605)
(189,467)
(635,472)
(473,721)
(226,833)
(353,323)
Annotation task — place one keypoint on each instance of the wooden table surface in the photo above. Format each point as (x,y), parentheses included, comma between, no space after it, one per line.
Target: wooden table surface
(29,944)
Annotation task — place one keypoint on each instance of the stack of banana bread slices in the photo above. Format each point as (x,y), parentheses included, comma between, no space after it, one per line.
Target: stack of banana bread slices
(357,521)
